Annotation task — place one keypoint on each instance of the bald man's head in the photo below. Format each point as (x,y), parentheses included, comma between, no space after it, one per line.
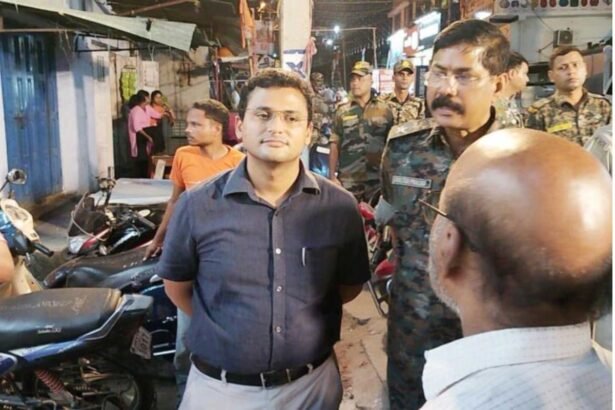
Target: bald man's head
(538,208)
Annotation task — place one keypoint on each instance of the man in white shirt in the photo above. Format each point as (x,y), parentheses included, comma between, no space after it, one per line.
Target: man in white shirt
(521,250)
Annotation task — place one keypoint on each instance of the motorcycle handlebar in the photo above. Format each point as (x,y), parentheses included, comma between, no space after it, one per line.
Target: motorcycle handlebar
(43,249)
(145,221)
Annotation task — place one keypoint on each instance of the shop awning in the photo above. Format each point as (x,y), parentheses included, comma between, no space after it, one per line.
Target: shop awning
(219,18)
(168,33)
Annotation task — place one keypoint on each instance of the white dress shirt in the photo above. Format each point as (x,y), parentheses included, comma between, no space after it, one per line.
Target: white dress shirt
(524,368)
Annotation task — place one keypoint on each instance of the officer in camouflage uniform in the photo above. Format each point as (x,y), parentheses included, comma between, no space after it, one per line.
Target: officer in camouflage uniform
(507,111)
(322,102)
(462,83)
(572,112)
(359,133)
(404,106)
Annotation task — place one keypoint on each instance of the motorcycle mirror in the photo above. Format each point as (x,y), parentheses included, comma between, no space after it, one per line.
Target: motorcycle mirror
(17,176)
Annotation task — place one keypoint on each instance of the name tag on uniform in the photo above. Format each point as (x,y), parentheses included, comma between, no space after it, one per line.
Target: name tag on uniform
(559,127)
(323,150)
(412,182)
(350,117)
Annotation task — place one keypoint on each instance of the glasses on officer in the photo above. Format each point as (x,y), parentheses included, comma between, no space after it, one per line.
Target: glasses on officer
(290,118)
(431,212)
(438,78)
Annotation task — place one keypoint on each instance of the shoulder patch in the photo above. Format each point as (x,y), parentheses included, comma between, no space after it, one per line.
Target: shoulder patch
(341,109)
(412,127)
(599,97)
(538,104)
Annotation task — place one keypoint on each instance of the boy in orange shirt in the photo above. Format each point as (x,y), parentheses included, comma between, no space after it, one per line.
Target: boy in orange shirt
(204,157)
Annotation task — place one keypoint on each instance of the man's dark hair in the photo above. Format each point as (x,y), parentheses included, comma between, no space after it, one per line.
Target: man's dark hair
(525,279)
(275,78)
(214,110)
(477,33)
(515,60)
(562,51)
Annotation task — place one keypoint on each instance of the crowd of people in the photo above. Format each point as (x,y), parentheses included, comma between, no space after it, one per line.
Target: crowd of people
(501,223)
(483,211)
(501,266)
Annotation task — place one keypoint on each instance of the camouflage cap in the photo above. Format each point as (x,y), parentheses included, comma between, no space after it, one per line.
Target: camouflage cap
(404,64)
(361,68)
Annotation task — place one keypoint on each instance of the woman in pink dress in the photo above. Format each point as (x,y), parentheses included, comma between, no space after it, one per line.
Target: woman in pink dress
(140,141)
(160,115)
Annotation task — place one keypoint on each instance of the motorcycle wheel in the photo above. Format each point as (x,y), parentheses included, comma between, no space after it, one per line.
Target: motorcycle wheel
(97,382)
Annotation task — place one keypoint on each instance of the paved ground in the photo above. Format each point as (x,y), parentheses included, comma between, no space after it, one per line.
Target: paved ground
(360,352)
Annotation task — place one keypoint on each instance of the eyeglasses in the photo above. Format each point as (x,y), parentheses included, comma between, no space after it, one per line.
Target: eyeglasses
(462,80)
(290,118)
(433,211)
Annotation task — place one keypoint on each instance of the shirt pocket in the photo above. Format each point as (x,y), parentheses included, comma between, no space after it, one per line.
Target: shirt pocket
(319,271)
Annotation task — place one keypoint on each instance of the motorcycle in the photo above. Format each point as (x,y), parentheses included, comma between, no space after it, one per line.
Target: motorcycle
(379,246)
(100,227)
(126,271)
(129,273)
(68,348)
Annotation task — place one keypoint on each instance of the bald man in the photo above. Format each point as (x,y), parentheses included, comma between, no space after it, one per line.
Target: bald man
(520,249)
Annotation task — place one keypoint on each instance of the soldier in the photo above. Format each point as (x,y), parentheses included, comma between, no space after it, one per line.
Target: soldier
(322,108)
(506,108)
(469,58)
(571,112)
(359,133)
(404,106)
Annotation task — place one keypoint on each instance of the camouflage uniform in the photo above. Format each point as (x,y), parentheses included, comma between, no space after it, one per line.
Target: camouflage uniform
(557,116)
(508,114)
(411,109)
(361,135)
(321,118)
(415,164)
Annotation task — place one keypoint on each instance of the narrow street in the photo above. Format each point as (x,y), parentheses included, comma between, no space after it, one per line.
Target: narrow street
(360,352)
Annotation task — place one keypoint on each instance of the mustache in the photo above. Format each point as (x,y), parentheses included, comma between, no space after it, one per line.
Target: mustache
(444,101)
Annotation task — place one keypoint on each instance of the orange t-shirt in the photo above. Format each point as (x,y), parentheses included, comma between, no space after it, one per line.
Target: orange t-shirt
(190,167)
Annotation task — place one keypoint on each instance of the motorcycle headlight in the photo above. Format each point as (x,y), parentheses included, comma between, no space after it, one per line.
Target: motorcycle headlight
(75,243)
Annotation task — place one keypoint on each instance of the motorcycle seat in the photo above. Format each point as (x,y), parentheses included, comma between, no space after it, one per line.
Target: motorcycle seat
(54,315)
(120,271)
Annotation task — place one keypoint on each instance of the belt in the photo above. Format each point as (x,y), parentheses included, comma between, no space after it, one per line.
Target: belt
(266,379)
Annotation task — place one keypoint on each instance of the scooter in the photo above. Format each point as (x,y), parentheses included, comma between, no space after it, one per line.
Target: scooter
(68,348)
(17,227)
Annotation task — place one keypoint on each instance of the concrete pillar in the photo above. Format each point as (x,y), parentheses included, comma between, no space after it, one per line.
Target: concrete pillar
(295,28)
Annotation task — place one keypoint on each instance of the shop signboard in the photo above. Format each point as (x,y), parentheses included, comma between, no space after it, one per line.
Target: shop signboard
(263,39)
(545,8)
(411,41)
(383,81)
(396,46)
(428,28)
(294,60)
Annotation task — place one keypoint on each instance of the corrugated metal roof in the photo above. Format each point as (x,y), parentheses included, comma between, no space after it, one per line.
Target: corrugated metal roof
(169,33)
